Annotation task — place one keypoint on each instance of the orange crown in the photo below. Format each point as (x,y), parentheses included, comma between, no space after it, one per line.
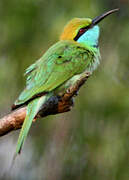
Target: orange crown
(71,29)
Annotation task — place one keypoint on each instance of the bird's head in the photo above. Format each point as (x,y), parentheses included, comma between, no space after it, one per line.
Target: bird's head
(84,30)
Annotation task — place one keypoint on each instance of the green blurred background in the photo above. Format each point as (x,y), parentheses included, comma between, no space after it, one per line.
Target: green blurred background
(92,141)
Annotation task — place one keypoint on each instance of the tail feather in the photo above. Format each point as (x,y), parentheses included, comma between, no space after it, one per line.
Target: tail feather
(32,109)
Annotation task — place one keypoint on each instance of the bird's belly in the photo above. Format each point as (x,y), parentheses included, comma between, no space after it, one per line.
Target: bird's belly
(62,89)
(90,68)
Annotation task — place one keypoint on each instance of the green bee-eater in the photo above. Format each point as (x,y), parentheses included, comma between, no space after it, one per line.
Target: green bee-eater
(76,52)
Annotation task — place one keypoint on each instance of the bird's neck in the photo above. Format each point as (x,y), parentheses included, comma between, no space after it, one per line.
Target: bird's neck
(90,37)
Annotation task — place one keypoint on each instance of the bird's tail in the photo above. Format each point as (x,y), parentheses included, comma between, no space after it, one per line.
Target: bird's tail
(32,109)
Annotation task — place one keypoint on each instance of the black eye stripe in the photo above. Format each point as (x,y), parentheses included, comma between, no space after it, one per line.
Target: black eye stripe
(83,31)
(80,33)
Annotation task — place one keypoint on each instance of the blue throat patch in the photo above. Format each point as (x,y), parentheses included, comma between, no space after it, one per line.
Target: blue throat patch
(90,37)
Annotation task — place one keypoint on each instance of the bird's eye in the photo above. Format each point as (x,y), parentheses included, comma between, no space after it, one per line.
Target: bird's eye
(82,30)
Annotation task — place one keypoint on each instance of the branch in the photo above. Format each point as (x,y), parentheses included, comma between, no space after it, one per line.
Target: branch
(55,105)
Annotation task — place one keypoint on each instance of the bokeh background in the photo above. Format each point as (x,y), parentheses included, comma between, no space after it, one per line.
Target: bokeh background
(92,141)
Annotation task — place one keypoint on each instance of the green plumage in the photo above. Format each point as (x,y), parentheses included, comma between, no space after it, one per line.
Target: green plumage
(32,109)
(60,67)
(49,75)
(61,62)
(53,73)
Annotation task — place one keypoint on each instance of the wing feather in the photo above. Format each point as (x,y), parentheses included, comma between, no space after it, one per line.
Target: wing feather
(61,62)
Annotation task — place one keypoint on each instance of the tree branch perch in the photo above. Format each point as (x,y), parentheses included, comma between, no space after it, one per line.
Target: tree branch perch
(55,105)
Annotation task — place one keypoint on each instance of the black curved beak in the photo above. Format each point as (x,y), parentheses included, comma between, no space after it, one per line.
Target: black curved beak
(101,17)
(96,21)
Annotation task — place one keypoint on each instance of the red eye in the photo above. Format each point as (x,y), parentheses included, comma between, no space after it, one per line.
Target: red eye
(81,31)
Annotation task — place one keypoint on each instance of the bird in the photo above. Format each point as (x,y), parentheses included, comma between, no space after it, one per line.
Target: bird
(76,52)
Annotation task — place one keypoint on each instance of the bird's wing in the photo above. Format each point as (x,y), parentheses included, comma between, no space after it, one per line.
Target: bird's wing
(62,61)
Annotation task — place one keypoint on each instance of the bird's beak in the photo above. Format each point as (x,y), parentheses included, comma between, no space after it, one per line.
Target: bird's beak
(101,17)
